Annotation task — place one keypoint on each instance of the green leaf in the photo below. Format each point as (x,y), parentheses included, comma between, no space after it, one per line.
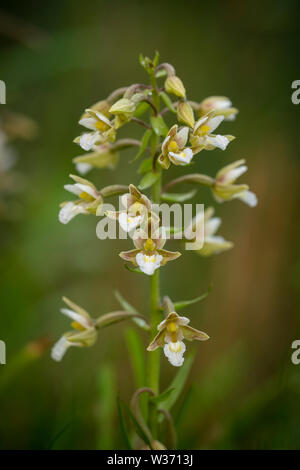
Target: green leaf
(162,397)
(107,391)
(159,126)
(156,59)
(141,109)
(137,356)
(123,426)
(185,303)
(148,180)
(146,166)
(129,308)
(168,102)
(178,383)
(178,197)
(139,429)
(144,143)
(132,269)
(153,143)
(142,60)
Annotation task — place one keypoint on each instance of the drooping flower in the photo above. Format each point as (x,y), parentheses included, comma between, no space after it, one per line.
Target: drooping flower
(84,333)
(148,254)
(202,232)
(174,148)
(171,333)
(202,136)
(89,200)
(102,156)
(102,129)
(220,105)
(136,212)
(224,188)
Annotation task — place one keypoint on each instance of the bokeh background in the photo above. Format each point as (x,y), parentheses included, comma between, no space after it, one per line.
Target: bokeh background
(57,58)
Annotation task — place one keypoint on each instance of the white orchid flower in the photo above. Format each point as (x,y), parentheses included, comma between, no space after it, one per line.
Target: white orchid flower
(171,333)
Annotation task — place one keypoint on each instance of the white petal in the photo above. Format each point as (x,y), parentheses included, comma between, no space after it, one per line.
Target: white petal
(73,188)
(103,118)
(83,321)
(182,158)
(69,211)
(88,122)
(219,141)
(83,168)
(88,140)
(182,137)
(59,349)
(148,263)
(212,225)
(235,173)
(214,122)
(248,197)
(174,352)
(200,122)
(85,188)
(128,223)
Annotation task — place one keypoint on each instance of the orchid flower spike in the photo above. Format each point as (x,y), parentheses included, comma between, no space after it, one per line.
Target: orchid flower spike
(221,105)
(202,137)
(224,188)
(171,333)
(89,200)
(84,333)
(102,129)
(148,254)
(174,148)
(211,244)
(137,210)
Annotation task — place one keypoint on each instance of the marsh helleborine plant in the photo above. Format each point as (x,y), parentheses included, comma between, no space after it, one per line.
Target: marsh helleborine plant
(193,131)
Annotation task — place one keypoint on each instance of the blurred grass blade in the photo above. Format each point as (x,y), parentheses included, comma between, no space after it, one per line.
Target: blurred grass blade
(162,397)
(123,426)
(137,356)
(139,429)
(185,303)
(107,392)
(178,383)
(129,308)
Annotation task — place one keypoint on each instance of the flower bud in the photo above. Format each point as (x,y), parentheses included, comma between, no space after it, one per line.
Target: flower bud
(123,106)
(185,114)
(175,86)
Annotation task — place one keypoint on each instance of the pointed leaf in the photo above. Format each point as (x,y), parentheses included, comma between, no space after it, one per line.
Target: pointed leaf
(148,180)
(178,197)
(168,102)
(129,308)
(178,383)
(123,426)
(185,303)
(138,427)
(144,143)
(163,396)
(146,166)
(159,126)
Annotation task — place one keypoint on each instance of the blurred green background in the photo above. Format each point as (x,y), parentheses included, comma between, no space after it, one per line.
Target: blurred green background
(60,57)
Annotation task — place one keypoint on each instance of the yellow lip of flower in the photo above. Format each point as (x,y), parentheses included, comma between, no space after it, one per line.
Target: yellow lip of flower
(101,126)
(86,196)
(77,326)
(175,346)
(149,245)
(203,130)
(173,146)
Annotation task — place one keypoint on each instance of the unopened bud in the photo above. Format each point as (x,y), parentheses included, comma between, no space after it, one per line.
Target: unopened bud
(123,106)
(175,86)
(185,114)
